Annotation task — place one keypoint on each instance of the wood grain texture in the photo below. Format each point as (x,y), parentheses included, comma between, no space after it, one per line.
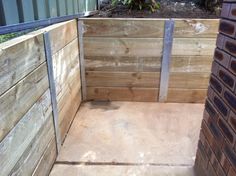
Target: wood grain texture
(29,159)
(122,94)
(189,80)
(47,160)
(69,105)
(123,47)
(192,28)
(149,28)
(186,64)
(62,34)
(193,46)
(66,65)
(18,58)
(145,47)
(20,98)
(123,28)
(123,64)
(123,79)
(18,140)
(186,95)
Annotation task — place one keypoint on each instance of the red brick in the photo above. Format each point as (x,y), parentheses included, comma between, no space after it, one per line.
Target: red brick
(225,10)
(215,68)
(229,45)
(209,108)
(230,154)
(220,41)
(232,65)
(210,170)
(227,131)
(224,163)
(222,57)
(216,165)
(226,77)
(227,27)
(232,13)
(232,120)
(221,106)
(207,133)
(232,172)
(216,84)
(230,98)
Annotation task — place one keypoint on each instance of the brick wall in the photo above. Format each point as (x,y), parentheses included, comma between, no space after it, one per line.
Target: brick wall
(216,154)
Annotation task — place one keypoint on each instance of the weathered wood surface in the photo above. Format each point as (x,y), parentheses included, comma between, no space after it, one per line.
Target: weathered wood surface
(20,98)
(122,47)
(122,94)
(123,79)
(146,47)
(62,35)
(187,64)
(189,80)
(152,64)
(29,159)
(18,58)
(68,105)
(68,84)
(149,28)
(47,160)
(126,53)
(186,95)
(20,137)
(123,64)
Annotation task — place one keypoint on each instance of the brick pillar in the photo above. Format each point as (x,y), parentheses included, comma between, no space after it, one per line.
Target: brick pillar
(216,154)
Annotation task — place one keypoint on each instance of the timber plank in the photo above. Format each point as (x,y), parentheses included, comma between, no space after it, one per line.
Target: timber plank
(122,94)
(63,34)
(123,47)
(18,140)
(186,95)
(189,80)
(122,79)
(47,160)
(192,28)
(66,63)
(124,64)
(146,47)
(193,46)
(191,64)
(29,160)
(20,98)
(18,58)
(149,28)
(123,28)
(152,64)
(69,105)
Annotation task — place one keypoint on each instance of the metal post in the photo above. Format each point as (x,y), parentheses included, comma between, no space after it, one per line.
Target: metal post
(48,53)
(82,63)
(166,59)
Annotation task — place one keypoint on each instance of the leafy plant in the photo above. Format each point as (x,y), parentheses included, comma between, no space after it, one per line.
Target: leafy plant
(6,37)
(152,5)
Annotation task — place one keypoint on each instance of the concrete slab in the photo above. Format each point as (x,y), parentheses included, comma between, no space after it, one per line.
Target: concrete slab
(151,134)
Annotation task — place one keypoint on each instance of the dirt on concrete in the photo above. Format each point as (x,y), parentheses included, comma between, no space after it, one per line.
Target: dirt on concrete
(168,9)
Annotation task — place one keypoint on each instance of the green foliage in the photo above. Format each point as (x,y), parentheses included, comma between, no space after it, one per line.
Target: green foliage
(152,5)
(6,37)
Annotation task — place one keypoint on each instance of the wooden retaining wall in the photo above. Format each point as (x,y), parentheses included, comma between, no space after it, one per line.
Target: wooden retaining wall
(123,59)
(27,135)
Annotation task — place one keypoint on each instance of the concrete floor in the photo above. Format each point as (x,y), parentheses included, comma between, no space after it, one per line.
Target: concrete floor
(131,138)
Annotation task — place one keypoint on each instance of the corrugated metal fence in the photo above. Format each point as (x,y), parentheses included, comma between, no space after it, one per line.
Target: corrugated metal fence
(20,11)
